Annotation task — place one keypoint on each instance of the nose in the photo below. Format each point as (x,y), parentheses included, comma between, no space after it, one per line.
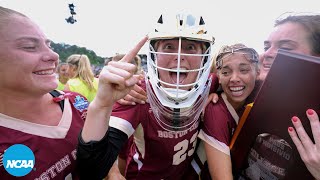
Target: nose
(234,77)
(182,57)
(50,55)
(270,54)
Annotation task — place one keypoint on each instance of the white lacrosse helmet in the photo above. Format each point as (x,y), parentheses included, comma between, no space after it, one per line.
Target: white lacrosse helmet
(177,105)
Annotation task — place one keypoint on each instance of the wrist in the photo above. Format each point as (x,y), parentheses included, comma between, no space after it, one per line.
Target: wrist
(98,104)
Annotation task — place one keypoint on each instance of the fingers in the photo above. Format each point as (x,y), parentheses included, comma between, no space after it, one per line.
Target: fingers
(212,97)
(315,126)
(121,78)
(136,95)
(123,66)
(133,99)
(130,56)
(125,102)
(132,80)
(124,71)
(297,142)
(303,136)
(139,93)
(215,98)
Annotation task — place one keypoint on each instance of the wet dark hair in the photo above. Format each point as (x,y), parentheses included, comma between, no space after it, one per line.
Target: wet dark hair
(312,25)
(227,50)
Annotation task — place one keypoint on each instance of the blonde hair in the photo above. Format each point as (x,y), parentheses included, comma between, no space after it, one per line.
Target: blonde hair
(83,69)
(136,61)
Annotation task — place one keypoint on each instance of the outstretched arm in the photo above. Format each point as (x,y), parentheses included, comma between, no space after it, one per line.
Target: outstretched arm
(309,152)
(100,145)
(115,81)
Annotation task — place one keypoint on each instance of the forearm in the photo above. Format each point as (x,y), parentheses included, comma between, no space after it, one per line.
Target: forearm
(97,122)
(219,163)
(122,165)
(95,158)
(114,173)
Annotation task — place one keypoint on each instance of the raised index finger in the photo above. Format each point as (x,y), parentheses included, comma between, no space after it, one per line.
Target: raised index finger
(131,54)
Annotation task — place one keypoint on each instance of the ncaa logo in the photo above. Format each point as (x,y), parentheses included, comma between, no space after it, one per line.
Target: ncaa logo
(18,160)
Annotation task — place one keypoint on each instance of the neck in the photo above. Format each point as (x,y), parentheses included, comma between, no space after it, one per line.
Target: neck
(18,105)
(236,105)
(63,80)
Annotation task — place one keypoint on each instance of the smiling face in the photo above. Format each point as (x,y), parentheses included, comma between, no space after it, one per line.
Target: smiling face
(237,78)
(63,71)
(289,36)
(186,63)
(26,61)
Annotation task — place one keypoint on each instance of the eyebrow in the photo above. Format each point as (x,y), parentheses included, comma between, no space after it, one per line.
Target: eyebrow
(33,39)
(243,64)
(284,41)
(240,65)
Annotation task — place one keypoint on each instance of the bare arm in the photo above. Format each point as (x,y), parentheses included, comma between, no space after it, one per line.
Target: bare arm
(219,163)
(114,173)
(115,81)
(121,165)
(100,145)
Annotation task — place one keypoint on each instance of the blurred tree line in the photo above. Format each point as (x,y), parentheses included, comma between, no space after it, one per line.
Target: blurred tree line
(65,50)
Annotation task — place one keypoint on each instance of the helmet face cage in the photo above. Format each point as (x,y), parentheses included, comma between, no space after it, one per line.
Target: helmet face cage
(177,119)
(249,53)
(177,91)
(172,102)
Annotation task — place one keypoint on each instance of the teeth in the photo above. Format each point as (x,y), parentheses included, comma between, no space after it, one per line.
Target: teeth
(47,72)
(236,88)
(182,70)
(267,65)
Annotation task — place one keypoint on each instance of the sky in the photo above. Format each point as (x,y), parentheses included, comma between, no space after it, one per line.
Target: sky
(115,26)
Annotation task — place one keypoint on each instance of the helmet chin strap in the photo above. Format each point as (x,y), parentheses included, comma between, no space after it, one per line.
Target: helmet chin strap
(176,117)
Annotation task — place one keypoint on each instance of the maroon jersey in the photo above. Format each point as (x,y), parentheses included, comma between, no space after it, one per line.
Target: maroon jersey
(54,147)
(220,121)
(160,154)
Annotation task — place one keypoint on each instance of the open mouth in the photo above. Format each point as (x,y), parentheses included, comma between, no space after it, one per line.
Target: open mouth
(182,76)
(45,72)
(267,66)
(237,91)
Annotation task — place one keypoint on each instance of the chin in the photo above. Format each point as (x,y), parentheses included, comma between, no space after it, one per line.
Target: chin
(49,86)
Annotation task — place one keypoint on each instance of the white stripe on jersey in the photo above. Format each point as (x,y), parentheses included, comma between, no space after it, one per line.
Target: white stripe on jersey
(214,142)
(122,125)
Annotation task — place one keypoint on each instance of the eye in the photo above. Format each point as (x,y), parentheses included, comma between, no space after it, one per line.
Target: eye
(245,70)
(191,47)
(286,48)
(168,47)
(29,48)
(225,73)
(50,47)
(266,48)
